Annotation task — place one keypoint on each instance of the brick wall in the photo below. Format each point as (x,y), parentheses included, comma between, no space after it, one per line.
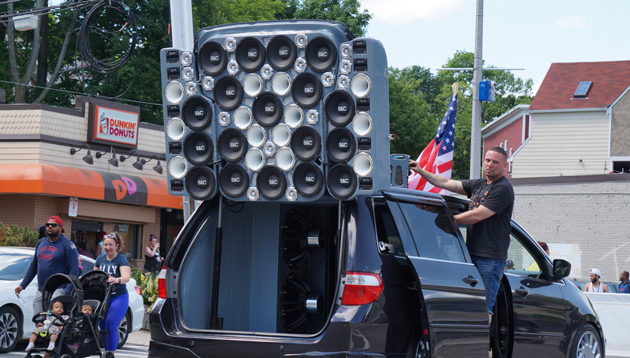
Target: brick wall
(586,223)
(31,211)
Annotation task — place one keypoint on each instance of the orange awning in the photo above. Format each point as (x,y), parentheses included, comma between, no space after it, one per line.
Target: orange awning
(37,178)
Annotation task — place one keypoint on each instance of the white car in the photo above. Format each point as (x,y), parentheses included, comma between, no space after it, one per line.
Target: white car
(16,314)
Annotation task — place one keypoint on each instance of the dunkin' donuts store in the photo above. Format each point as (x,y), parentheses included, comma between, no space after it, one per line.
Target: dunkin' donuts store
(97,167)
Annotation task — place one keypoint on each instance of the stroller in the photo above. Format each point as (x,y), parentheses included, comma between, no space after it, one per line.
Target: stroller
(80,335)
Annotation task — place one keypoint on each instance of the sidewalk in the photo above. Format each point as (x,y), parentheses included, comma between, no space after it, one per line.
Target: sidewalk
(139,338)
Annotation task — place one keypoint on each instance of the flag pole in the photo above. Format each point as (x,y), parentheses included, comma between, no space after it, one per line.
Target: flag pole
(455,90)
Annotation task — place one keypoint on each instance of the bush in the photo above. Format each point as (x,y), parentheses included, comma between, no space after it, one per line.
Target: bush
(13,235)
(148,283)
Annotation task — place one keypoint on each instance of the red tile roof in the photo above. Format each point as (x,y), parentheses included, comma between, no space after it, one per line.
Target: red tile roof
(610,80)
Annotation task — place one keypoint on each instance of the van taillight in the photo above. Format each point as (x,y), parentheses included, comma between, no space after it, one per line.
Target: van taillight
(162,283)
(361,288)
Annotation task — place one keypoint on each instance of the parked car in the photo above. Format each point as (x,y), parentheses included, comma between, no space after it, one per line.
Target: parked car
(16,314)
(386,275)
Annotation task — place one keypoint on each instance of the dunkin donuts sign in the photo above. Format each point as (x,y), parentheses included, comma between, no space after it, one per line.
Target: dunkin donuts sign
(117,126)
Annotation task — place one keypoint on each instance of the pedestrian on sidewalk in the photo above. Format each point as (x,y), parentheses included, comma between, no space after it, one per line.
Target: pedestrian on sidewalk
(623,286)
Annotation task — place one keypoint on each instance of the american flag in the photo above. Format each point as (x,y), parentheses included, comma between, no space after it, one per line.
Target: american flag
(437,157)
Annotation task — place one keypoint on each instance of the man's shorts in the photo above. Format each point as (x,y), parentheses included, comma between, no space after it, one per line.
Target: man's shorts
(491,271)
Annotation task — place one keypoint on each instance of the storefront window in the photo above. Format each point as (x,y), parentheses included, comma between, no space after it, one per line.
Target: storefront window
(86,235)
(131,239)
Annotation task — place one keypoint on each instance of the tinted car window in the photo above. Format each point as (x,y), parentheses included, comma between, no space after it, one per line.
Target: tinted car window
(433,232)
(13,267)
(386,230)
(521,261)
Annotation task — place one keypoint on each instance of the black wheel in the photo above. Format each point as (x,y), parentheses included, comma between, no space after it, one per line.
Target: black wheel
(10,327)
(124,330)
(587,343)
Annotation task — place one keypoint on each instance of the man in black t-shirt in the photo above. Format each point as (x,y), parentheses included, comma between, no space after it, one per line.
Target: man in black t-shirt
(488,217)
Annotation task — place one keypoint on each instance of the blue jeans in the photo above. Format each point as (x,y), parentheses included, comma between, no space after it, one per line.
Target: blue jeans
(491,271)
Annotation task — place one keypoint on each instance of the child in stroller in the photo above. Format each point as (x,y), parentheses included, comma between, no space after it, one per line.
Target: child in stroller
(49,324)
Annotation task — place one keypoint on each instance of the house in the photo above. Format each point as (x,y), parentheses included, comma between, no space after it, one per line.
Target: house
(568,166)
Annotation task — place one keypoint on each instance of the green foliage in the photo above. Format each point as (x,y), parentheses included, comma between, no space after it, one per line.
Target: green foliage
(148,283)
(345,11)
(13,235)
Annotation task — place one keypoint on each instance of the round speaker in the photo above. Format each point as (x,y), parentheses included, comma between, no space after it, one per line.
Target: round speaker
(321,54)
(198,148)
(363,164)
(175,129)
(200,183)
(281,83)
(250,54)
(174,92)
(267,109)
(271,183)
(177,167)
(228,93)
(360,85)
(341,181)
(307,90)
(293,116)
(340,145)
(256,136)
(252,85)
(232,145)
(197,113)
(362,124)
(212,58)
(339,108)
(281,53)
(233,180)
(308,179)
(254,160)
(242,117)
(306,143)
(281,135)
(285,159)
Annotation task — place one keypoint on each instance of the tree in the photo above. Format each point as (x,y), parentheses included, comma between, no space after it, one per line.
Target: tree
(345,11)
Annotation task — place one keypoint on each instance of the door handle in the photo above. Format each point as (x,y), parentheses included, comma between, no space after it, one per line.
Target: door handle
(522,291)
(470,280)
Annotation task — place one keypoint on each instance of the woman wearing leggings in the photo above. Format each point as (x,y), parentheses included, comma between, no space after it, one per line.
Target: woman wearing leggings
(117,268)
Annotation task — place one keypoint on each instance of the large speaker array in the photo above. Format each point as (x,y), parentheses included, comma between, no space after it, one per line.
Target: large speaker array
(277,111)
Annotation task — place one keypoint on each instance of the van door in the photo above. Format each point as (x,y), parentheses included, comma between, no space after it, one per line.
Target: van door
(449,284)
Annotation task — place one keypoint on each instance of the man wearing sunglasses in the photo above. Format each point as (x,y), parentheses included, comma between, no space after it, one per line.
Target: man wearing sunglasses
(54,253)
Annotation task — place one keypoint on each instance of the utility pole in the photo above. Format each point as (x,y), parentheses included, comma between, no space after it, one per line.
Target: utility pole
(475,130)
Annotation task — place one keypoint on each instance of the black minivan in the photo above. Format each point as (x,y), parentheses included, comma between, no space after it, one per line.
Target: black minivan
(386,275)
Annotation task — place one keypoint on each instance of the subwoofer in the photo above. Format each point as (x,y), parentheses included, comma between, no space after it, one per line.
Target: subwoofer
(200,183)
(198,148)
(339,108)
(340,145)
(212,58)
(341,181)
(306,143)
(233,181)
(250,54)
(307,90)
(281,53)
(267,109)
(271,183)
(321,54)
(308,179)
(228,93)
(197,113)
(232,145)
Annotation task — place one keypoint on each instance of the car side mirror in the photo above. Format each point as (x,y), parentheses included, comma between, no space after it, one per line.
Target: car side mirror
(561,268)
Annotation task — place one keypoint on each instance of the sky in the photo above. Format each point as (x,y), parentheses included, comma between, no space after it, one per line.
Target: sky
(530,34)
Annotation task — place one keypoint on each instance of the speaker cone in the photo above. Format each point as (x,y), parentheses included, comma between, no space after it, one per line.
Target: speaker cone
(254,159)
(308,179)
(250,54)
(200,183)
(340,145)
(177,167)
(252,85)
(271,183)
(198,148)
(212,58)
(281,53)
(242,117)
(285,159)
(256,136)
(341,181)
(293,116)
(281,83)
(174,92)
(306,143)
(339,108)
(298,302)
(362,164)
(267,109)
(281,135)
(307,90)
(228,93)
(232,145)
(321,54)
(362,124)
(360,85)
(233,180)
(175,129)
(197,113)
